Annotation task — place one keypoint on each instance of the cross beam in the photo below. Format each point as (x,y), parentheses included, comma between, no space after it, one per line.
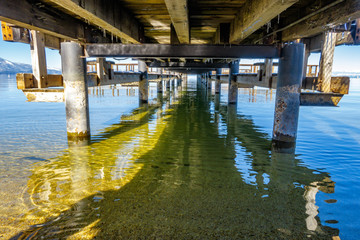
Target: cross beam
(188,65)
(182,51)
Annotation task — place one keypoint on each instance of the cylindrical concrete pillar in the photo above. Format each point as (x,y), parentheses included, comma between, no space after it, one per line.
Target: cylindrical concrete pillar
(233,89)
(218,81)
(168,84)
(75,91)
(160,83)
(208,81)
(287,103)
(143,82)
(198,81)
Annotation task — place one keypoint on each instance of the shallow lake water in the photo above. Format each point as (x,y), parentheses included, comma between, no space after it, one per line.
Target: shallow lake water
(184,166)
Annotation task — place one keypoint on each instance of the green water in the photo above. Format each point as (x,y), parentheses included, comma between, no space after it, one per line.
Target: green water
(185,166)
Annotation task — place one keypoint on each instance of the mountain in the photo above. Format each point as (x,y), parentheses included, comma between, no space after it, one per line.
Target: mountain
(9,67)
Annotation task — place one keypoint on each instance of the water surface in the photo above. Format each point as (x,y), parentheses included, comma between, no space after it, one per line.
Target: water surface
(184,166)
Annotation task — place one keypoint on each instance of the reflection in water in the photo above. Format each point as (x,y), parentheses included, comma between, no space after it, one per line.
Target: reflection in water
(179,169)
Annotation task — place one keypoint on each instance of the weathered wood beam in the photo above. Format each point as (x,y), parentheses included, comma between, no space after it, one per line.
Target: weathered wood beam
(320,99)
(253,15)
(36,16)
(337,15)
(20,34)
(107,15)
(338,84)
(44,95)
(38,58)
(179,14)
(182,51)
(326,61)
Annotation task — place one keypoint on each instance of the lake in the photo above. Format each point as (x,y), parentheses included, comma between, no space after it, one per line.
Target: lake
(184,166)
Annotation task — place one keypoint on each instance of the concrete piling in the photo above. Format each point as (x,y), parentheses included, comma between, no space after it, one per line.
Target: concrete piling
(218,81)
(161,82)
(208,82)
(287,102)
(233,89)
(75,91)
(143,83)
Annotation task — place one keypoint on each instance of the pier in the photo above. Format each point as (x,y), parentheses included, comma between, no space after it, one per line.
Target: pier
(183,38)
(173,44)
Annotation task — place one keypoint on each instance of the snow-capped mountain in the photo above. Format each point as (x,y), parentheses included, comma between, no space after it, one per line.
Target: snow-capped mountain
(9,67)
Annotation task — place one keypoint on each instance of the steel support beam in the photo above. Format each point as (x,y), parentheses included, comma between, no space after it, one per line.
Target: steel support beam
(287,101)
(181,51)
(75,91)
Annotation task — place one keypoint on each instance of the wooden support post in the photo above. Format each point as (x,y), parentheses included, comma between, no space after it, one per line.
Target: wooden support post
(100,69)
(287,101)
(173,36)
(143,83)
(306,59)
(38,58)
(75,91)
(268,71)
(161,82)
(233,88)
(218,81)
(326,61)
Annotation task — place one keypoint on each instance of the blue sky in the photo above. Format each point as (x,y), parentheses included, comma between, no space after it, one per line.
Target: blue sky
(346,58)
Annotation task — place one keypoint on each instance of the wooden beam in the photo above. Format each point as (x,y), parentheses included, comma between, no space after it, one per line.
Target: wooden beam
(337,15)
(20,34)
(320,99)
(107,15)
(38,58)
(32,16)
(253,15)
(173,36)
(179,14)
(326,61)
(44,95)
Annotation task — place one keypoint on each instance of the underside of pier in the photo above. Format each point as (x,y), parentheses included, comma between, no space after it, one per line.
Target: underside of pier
(187,36)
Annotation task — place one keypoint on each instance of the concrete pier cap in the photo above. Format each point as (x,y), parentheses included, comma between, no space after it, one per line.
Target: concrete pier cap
(75,91)
(287,102)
